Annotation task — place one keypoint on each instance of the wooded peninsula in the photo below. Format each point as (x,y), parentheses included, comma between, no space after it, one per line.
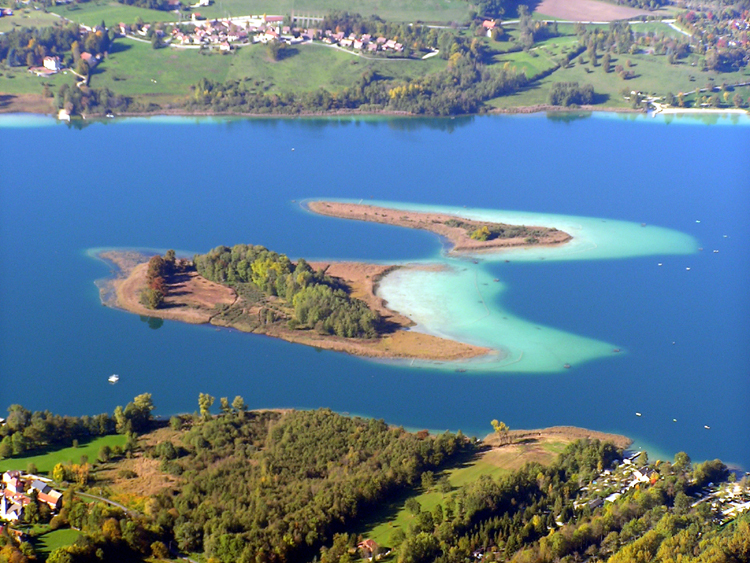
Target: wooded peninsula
(270,486)
(328,305)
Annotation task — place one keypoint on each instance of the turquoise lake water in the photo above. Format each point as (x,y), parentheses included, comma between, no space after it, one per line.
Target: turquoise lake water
(194,184)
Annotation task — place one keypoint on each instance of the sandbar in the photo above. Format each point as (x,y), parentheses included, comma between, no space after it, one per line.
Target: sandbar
(454,228)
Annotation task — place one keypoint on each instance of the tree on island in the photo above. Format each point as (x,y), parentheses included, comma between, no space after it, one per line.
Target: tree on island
(502,430)
(204,404)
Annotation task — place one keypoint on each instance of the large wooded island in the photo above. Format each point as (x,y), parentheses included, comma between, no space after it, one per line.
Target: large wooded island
(329,305)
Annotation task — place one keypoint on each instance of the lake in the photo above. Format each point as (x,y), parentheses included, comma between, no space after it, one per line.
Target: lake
(193,184)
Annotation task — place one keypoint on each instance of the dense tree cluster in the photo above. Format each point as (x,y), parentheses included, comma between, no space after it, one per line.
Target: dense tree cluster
(91,101)
(317,300)
(107,533)
(163,5)
(719,34)
(267,487)
(571,93)
(642,4)
(158,272)
(29,46)
(25,431)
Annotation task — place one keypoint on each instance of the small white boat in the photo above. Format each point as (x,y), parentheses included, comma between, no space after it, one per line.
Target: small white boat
(114,378)
(707,427)
(637,414)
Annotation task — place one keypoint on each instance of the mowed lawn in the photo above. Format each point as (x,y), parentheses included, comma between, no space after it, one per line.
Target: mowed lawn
(309,67)
(112,12)
(45,462)
(493,463)
(47,542)
(390,10)
(27,18)
(136,68)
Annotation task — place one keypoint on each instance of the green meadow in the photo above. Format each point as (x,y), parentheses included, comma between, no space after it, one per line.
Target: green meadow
(47,542)
(308,67)
(46,461)
(392,10)
(27,18)
(112,13)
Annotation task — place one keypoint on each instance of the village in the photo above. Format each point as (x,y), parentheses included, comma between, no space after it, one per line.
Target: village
(18,490)
(228,33)
(727,500)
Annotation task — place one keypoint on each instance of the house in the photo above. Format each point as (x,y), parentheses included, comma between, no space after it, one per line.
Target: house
(52,498)
(372,47)
(346,42)
(40,486)
(204,2)
(173,4)
(369,548)
(225,46)
(52,63)
(357,44)
(13,482)
(273,19)
(390,44)
(9,510)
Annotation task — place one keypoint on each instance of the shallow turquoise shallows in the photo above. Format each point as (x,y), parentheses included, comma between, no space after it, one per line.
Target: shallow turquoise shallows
(191,184)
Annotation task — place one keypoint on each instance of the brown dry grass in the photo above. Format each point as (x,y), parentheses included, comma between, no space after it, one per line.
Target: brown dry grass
(191,299)
(434,222)
(587,10)
(150,480)
(541,445)
(26,103)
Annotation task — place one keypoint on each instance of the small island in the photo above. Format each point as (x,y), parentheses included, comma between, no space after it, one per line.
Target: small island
(331,306)
(465,235)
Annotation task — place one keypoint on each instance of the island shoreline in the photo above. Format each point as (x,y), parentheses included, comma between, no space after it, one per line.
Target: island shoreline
(198,297)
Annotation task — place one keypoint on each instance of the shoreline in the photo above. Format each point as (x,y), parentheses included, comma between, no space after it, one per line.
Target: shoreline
(200,301)
(34,104)
(440,224)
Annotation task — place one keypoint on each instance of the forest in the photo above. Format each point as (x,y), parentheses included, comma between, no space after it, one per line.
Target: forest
(313,299)
(290,486)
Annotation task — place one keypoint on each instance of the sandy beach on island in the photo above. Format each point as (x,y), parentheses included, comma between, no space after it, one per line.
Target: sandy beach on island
(436,223)
(194,299)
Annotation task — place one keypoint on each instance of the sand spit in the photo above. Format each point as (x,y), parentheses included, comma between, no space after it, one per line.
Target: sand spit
(438,223)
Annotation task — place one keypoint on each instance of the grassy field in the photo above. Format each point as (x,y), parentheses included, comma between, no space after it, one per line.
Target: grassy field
(47,542)
(27,18)
(494,463)
(309,67)
(160,75)
(92,13)
(46,461)
(653,74)
(391,10)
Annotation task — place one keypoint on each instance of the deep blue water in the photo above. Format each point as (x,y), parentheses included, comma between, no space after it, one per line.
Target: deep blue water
(194,185)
